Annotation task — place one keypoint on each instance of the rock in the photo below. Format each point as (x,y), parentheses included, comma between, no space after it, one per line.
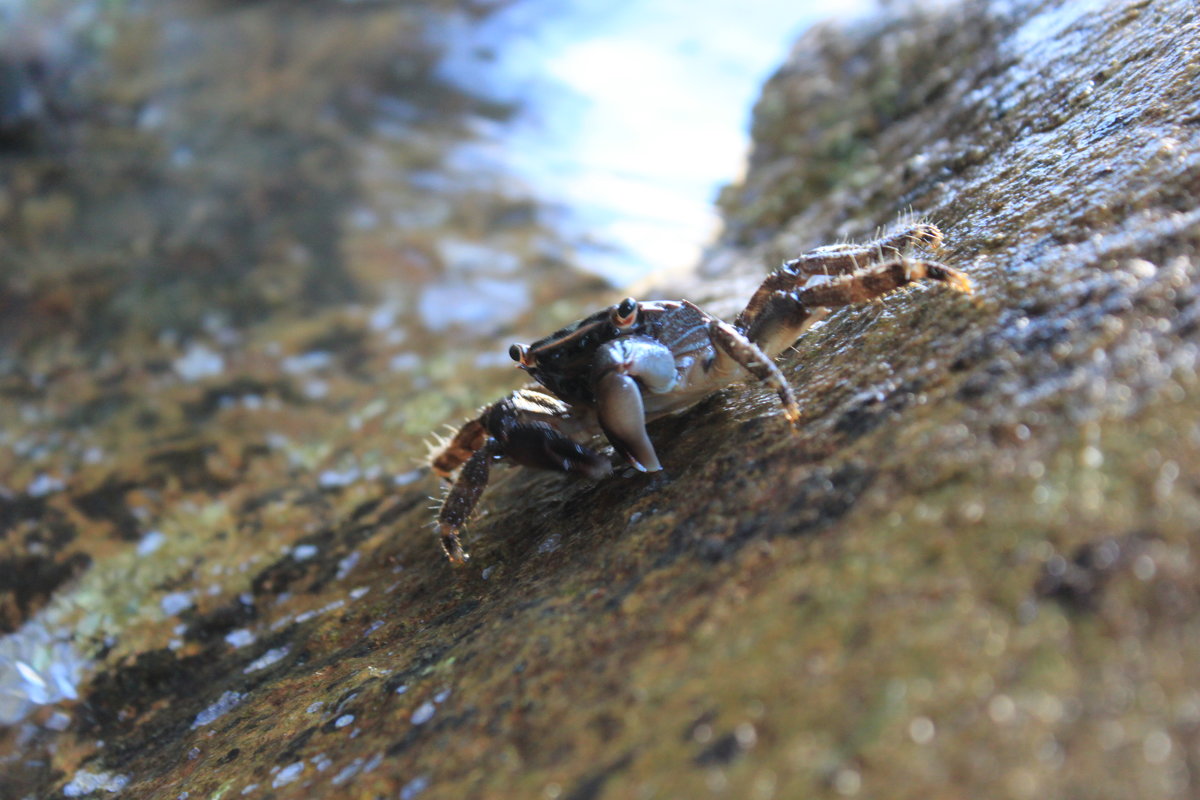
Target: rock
(876,598)
(969,573)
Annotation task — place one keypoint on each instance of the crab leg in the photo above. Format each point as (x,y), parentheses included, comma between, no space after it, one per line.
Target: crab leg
(840,259)
(751,358)
(878,280)
(522,428)
(776,318)
(834,260)
(461,500)
(458,451)
(783,316)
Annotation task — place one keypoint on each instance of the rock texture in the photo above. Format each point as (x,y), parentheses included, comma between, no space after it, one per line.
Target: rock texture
(970,573)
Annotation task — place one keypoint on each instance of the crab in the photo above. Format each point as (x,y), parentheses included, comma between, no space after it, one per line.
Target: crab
(610,373)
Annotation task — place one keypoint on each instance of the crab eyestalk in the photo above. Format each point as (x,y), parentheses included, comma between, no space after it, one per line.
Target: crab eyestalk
(624,314)
(521,354)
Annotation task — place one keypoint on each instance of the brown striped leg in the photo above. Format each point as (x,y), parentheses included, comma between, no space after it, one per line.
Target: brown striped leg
(470,437)
(832,260)
(877,280)
(734,343)
(841,259)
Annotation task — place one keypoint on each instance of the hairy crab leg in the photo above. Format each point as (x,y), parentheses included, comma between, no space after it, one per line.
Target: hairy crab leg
(879,279)
(461,500)
(470,437)
(522,428)
(840,259)
(750,356)
(785,315)
(837,259)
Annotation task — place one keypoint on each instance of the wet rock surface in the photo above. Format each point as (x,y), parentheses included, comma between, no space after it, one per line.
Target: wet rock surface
(969,572)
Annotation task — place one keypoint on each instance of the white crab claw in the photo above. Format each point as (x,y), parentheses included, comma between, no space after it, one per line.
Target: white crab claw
(623,418)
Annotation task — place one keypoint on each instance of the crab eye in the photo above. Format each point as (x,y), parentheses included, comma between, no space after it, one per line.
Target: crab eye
(625,314)
(520,353)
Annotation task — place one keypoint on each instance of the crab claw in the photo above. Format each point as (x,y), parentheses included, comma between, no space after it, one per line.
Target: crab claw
(542,447)
(623,418)
(618,368)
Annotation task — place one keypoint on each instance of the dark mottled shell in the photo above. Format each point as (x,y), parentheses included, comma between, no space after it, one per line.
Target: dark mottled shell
(563,360)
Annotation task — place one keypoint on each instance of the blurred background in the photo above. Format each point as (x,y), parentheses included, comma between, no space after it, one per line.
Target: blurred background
(176,168)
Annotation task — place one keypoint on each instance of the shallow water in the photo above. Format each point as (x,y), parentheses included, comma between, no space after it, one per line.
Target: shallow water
(633,115)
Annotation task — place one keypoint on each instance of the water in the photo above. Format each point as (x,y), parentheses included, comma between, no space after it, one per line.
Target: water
(635,114)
